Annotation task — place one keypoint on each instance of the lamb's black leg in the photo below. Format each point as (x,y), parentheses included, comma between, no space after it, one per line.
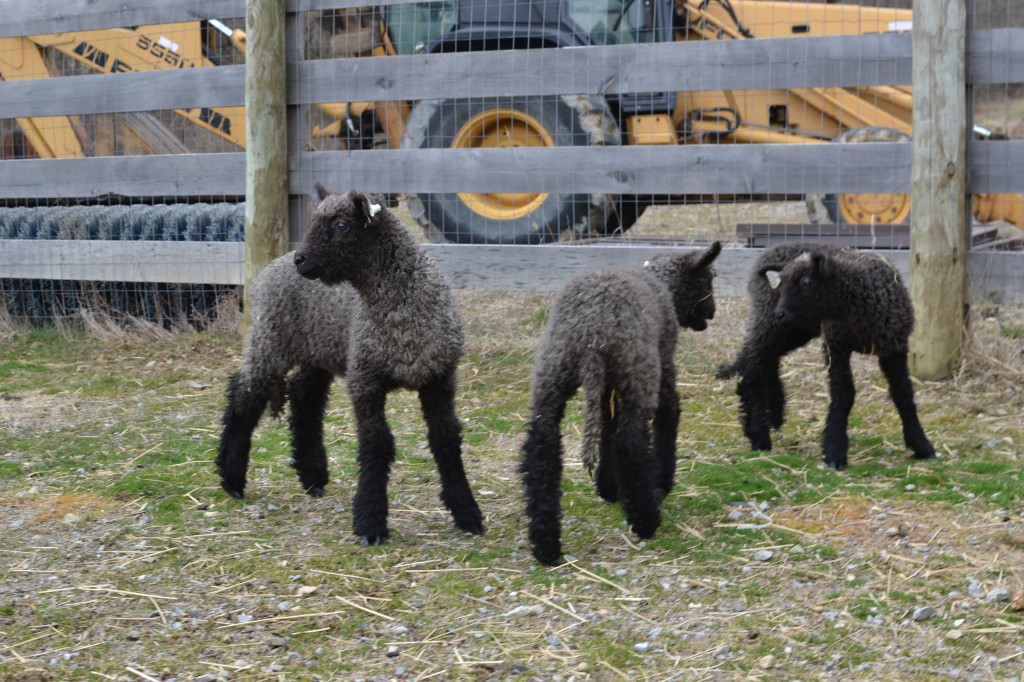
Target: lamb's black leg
(842,392)
(243,412)
(605,476)
(754,365)
(753,395)
(902,392)
(762,394)
(541,467)
(775,394)
(308,391)
(444,433)
(666,430)
(784,341)
(376,454)
(636,473)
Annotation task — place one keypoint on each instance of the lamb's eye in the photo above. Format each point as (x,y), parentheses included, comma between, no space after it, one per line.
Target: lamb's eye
(806,281)
(341,226)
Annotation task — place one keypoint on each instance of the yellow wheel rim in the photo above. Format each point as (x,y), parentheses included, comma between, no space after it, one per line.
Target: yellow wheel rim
(858,209)
(502,128)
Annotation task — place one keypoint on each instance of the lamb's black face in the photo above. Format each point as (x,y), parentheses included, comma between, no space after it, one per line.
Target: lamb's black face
(340,230)
(803,291)
(695,297)
(695,312)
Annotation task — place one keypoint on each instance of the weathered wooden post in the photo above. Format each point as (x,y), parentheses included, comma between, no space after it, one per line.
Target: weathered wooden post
(938,216)
(266,153)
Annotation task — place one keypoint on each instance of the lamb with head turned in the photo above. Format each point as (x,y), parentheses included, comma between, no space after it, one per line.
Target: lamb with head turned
(614,333)
(858,303)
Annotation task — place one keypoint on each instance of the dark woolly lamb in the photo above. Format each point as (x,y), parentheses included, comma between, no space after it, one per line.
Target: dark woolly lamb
(858,302)
(614,334)
(387,321)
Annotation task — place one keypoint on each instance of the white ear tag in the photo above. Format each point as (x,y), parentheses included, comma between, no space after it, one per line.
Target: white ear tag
(374,209)
(774,280)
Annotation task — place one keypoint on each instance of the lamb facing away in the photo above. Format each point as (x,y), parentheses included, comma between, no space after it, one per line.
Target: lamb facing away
(858,302)
(614,334)
(387,321)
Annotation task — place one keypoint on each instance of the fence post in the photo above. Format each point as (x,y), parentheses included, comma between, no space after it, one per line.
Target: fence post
(266,153)
(938,215)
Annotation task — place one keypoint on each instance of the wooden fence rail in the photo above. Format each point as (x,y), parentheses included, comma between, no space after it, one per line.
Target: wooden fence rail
(686,169)
(994,276)
(994,166)
(995,56)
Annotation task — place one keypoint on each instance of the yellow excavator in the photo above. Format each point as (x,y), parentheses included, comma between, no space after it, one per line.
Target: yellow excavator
(115,51)
(796,115)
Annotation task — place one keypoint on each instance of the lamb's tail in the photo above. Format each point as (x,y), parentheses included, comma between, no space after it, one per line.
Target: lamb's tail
(600,402)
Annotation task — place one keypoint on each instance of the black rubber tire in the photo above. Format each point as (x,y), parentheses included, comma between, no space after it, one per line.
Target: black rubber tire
(824,208)
(568,120)
(627,210)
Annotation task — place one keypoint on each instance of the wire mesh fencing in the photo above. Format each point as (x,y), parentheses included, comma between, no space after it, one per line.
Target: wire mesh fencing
(488,122)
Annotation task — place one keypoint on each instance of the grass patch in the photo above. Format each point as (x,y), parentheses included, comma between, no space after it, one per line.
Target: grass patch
(1013,331)
(122,551)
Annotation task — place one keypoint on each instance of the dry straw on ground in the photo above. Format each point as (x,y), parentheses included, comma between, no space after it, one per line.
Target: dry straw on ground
(122,559)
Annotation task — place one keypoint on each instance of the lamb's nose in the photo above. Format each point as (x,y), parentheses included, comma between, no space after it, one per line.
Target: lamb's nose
(299,259)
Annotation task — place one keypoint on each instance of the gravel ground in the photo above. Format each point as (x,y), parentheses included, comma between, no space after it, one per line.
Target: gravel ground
(122,560)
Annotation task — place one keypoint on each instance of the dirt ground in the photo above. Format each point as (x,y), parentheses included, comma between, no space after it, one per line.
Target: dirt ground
(123,560)
(860,583)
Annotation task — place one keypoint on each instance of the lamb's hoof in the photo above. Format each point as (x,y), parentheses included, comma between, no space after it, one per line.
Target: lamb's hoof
(470,523)
(237,493)
(315,491)
(835,464)
(370,528)
(475,529)
(762,443)
(548,556)
(646,528)
(924,454)
(372,540)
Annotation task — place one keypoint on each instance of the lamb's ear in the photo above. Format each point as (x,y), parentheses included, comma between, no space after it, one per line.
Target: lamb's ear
(365,206)
(822,265)
(771,273)
(710,255)
(321,191)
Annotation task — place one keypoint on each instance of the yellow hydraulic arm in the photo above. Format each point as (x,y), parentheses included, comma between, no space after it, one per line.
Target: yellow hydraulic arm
(160,46)
(813,114)
(50,136)
(163,46)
